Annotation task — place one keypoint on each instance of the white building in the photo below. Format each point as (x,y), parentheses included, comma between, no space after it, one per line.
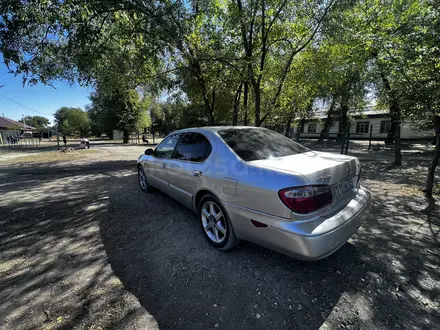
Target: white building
(374,121)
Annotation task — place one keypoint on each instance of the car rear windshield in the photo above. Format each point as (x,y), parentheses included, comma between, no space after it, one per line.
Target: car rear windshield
(259,143)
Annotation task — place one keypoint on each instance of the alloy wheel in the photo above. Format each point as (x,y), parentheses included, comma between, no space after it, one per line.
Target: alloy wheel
(142,179)
(214,222)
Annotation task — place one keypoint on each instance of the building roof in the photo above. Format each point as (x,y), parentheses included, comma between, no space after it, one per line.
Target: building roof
(215,128)
(367,112)
(6,123)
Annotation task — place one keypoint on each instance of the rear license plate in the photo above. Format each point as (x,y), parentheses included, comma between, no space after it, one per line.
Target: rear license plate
(342,187)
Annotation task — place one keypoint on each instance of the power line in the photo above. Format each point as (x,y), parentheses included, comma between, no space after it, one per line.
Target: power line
(24,106)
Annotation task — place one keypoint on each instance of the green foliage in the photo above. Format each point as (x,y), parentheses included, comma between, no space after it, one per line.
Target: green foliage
(144,121)
(289,53)
(117,108)
(400,39)
(40,123)
(228,61)
(72,121)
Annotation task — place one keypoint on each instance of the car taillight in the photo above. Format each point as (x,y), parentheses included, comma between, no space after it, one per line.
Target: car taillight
(306,199)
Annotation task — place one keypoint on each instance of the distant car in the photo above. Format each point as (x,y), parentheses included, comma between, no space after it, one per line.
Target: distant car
(26,135)
(255,184)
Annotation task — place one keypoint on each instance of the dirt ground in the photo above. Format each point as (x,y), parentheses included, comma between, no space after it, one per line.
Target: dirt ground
(81,247)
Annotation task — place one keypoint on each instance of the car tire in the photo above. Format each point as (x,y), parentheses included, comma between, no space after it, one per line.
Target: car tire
(210,225)
(143,181)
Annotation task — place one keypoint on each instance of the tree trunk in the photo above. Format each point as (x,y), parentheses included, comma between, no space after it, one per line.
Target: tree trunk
(397,146)
(395,121)
(391,133)
(342,130)
(325,130)
(236,105)
(302,124)
(257,95)
(395,131)
(328,121)
(245,103)
(394,118)
(344,121)
(209,107)
(210,117)
(211,110)
(125,136)
(287,127)
(435,160)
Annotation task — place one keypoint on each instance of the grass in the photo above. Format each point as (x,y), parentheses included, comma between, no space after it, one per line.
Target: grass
(54,156)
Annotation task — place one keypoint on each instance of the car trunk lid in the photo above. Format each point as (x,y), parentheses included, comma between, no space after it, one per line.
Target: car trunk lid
(340,172)
(318,167)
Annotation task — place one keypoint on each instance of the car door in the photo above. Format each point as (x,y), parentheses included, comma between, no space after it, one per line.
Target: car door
(156,168)
(185,169)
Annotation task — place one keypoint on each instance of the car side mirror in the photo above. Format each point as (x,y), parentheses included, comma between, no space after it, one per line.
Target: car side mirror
(149,152)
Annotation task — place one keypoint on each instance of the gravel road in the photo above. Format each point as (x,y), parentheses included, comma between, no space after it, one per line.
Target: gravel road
(81,247)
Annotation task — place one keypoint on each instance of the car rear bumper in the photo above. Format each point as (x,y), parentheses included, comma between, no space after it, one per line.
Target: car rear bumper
(306,240)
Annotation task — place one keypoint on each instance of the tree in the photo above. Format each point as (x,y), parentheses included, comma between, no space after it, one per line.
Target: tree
(381,30)
(418,60)
(401,37)
(117,107)
(221,48)
(38,122)
(72,121)
(272,34)
(233,60)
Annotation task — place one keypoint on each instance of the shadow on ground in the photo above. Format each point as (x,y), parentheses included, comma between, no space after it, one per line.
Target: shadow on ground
(161,256)
(54,271)
(82,247)
(387,276)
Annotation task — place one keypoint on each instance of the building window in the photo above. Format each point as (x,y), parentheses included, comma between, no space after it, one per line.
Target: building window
(362,127)
(311,128)
(385,126)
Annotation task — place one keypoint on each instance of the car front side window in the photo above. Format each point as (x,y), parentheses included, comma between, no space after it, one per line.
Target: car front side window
(166,147)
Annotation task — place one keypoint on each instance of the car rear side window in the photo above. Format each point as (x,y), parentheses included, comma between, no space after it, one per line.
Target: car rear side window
(193,147)
(259,143)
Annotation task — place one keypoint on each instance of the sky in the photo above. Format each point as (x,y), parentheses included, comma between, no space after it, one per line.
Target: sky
(44,100)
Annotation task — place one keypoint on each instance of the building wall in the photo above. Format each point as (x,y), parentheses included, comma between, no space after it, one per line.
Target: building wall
(408,132)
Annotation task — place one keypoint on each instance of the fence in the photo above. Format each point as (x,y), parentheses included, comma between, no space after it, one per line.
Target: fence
(332,140)
(359,130)
(137,137)
(15,139)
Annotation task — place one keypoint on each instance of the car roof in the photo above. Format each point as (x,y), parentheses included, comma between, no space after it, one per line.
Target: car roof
(215,128)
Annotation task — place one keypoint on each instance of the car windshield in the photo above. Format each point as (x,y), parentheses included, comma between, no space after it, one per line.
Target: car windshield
(259,143)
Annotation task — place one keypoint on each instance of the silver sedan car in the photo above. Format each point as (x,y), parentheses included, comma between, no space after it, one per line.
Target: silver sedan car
(249,183)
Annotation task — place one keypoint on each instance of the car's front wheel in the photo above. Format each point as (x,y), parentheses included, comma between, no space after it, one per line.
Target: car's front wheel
(215,223)
(143,181)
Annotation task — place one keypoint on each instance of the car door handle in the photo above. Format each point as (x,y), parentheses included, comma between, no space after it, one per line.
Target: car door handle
(164,165)
(196,173)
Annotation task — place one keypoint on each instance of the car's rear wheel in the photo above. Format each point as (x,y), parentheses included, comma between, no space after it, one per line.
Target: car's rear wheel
(215,223)
(143,181)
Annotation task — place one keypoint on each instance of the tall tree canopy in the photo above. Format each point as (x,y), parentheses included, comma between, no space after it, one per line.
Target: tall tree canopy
(72,121)
(117,107)
(38,122)
(264,62)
